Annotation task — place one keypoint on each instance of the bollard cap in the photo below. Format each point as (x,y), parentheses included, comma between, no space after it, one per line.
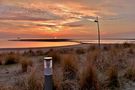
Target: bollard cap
(47,58)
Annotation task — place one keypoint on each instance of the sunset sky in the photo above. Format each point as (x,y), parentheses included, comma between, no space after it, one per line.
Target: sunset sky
(67,18)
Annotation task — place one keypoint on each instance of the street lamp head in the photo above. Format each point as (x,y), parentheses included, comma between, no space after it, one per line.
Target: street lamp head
(96,21)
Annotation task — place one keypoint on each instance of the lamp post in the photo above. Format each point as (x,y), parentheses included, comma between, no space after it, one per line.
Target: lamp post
(48,84)
(98,28)
(97,21)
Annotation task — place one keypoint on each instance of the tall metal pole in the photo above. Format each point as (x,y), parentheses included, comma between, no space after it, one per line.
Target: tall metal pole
(97,21)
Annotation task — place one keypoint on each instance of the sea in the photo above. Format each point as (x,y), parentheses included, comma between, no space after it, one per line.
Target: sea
(5,43)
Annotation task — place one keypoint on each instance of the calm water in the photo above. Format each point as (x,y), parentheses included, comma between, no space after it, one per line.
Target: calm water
(17,44)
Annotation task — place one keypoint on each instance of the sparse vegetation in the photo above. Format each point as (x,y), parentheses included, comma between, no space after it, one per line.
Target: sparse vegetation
(69,66)
(74,68)
(34,83)
(55,55)
(80,51)
(93,56)
(88,79)
(11,59)
(130,73)
(126,45)
(113,81)
(39,53)
(0,61)
(25,63)
(131,51)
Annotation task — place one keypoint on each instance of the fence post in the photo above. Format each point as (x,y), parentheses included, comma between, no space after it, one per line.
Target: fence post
(48,81)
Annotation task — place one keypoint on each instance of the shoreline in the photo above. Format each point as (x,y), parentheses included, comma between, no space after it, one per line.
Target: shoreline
(83,45)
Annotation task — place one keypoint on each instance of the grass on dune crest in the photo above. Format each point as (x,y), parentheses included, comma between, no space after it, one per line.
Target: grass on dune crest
(31,82)
(130,73)
(11,59)
(55,55)
(70,66)
(89,79)
(76,68)
(25,63)
(113,79)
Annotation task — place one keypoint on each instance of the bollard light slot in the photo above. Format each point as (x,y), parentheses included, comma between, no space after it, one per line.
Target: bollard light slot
(47,62)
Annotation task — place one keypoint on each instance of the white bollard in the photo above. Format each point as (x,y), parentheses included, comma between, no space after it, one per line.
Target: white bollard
(48,73)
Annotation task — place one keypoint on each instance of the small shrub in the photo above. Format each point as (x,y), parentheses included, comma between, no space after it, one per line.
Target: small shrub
(113,81)
(25,63)
(69,85)
(131,51)
(7,88)
(106,48)
(126,45)
(69,66)
(29,53)
(80,51)
(130,74)
(34,83)
(117,46)
(11,59)
(92,56)
(39,52)
(0,62)
(92,48)
(88,79)
(55,55)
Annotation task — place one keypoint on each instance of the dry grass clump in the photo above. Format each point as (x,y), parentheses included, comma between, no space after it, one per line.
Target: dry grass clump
(7,88)
(106,48)
(56,84)
(130,73)
(11,59)
(34,83)
(114,54)
(0,61)
(126,45)
(131,51)
(113,81)
(117,46)
(88,79)
(31,82)
(93,56)
(39,52)
(92,48)
(80,51)
(70,67)
(29,53)
(55,55)
(25,63)
(68,85)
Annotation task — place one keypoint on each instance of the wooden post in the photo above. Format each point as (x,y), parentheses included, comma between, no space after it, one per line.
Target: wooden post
(48,81)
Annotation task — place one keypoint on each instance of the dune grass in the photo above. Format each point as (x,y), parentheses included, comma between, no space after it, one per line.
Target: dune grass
(80,51)
(11,59)
(55,55)
(89,79)
(113,79)
(31,82)
(69,65)
(25,63)
(34,83)
(0,61)
(78,69)
(130,73)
